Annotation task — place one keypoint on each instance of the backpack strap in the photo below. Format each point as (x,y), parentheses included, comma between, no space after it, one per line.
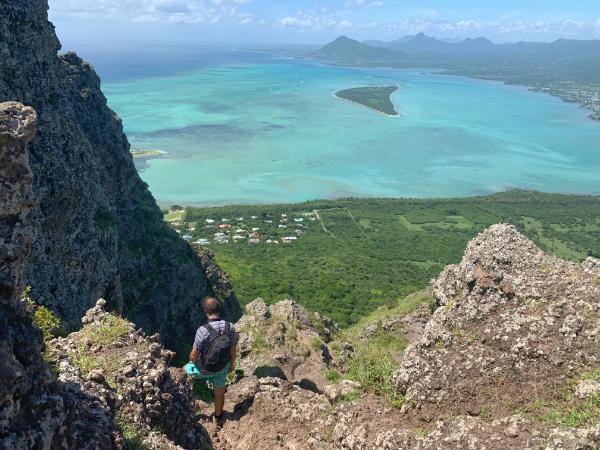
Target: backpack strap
(227,328)
(213,333)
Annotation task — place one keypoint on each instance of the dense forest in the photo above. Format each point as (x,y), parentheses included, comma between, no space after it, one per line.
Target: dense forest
(357,254)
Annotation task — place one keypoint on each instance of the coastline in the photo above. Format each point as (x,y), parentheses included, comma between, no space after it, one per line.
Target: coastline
(565,97)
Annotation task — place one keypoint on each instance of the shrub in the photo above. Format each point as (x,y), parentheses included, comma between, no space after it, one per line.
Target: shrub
(374,370)
(315,344)
(332,375)
(44,319)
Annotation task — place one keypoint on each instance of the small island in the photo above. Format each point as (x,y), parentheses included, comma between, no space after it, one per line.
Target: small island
(375,98)
(146,153)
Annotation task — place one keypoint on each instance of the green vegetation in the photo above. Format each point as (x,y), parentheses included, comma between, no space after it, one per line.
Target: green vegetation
(44,319)
(376,359)
(109,331)
(566,409)
(133,438)
(365,253)
(377,98)
(374,370)
(351,396)
(332,375)
(581,413)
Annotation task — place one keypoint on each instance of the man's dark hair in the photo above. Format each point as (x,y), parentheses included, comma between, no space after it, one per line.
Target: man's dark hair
(211,306)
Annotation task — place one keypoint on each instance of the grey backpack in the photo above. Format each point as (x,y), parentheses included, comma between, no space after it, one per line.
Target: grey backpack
(218,352)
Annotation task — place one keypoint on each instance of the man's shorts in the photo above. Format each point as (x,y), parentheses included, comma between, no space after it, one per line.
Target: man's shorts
(218,379)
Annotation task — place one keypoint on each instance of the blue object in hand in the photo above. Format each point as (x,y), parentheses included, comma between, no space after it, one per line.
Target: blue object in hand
(192,370)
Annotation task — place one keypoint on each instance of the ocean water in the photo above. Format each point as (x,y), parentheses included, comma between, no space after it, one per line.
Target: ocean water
(248,127)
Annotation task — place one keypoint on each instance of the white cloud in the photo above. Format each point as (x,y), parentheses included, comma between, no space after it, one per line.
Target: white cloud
(364,4)
(174,11)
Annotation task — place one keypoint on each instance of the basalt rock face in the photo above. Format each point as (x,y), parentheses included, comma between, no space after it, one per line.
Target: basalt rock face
(99,231)
(516,332)
(35,410)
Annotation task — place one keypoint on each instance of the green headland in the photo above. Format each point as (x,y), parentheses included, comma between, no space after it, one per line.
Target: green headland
(376,98)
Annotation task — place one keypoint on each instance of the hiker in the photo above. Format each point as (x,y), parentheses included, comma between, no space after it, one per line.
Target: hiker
(213,353)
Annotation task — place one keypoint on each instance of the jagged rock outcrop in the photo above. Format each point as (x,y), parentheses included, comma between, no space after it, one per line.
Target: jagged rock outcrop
(35,410)
(512,320)
(129,375)
(99,231)
(285,341)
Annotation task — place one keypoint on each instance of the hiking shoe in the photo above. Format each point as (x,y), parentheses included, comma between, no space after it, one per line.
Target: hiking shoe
(219,420)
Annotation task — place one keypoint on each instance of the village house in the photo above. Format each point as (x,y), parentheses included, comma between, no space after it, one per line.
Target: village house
(209,221)
(224,226)
(254,241)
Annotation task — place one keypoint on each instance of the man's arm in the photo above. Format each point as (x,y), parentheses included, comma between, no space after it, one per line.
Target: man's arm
(232,359)
(194,355)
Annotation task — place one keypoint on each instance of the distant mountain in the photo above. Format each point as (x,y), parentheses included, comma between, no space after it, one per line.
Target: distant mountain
(344,48)
(421,43)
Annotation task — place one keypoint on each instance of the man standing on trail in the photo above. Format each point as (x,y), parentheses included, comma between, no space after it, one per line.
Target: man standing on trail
(213,353)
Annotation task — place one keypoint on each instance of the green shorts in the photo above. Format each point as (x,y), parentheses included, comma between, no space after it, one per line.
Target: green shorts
(218,379)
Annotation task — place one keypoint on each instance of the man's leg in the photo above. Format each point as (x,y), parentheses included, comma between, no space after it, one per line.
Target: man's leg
(219,400)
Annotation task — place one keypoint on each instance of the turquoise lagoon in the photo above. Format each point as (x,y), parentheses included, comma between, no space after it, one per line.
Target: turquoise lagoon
(255,128)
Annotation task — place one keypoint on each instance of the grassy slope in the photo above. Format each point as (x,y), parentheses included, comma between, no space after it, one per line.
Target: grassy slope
(370,252)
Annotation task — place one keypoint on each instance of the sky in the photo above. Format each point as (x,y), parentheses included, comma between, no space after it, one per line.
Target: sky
(316,22)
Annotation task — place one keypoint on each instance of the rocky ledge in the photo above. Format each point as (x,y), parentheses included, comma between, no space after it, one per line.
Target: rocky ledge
(129,375)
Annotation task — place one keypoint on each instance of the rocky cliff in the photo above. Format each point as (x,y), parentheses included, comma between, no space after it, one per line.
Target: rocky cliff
(35,410)
(99,231)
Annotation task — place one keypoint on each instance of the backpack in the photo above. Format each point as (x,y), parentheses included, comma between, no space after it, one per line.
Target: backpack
(218,353)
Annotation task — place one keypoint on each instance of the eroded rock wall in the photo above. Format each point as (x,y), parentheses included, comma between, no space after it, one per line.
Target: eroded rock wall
(99,231)
(35,410)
